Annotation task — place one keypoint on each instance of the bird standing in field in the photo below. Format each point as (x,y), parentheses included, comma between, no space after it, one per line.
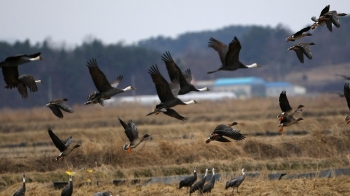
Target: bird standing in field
(199,185)
(229,55)
(133,135)
(22,190)
(166,96)
(300,34)
(222,131)
(285,107)
(347,97)
(235,182)
(187,182)
(65,147)
(68,190)
(184,78)
(301,49)
(210,185)
(106,89)
(57,105)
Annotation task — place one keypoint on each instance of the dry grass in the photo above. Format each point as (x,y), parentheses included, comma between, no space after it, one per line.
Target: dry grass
(175,146)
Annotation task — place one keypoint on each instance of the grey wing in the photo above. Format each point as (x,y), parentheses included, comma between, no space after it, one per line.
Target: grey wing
(347,93)
(175,87)
(329,25)
(134,130)
(56,110)
(62,105)
(231,133)
(172,113)
(57,141)
(220,47)
(68,141)
(116,82)
(333,15)
(22,89)
(188,76)
(300,55)
(306,50)
(222,139)
(231,182)
(29,81)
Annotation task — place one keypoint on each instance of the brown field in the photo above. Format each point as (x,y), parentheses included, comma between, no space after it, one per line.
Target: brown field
(175,147)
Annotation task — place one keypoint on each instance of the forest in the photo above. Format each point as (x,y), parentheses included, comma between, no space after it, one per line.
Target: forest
(65,73)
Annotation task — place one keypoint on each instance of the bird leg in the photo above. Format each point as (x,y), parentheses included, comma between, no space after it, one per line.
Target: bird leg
(281,129)
(129,150)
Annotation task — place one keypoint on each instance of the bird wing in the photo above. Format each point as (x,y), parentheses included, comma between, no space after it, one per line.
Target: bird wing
(347,93)
(284,103)
(231,133)
(173,70)
(22,89)
(299,55)
(222,139)
(127,130)
(116,82)
(162,86)
(303,30)
(68,141)
(56,110)
(233,52)
(333,16)
(305,49)
(62,105)
(325,10)
(134,130)
(175,88)
(188,75)
(172,113)
(57,141)
(98,76)
(220,47)
(10,76)
(29,81)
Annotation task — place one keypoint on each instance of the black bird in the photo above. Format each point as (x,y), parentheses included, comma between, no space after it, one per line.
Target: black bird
(285,107)
(166,96)
(64,147)
(210,185)
(222,131)
(21,82)
(347,97)
(105,88)
(187,182)
(229,55)
(184,78)
(199,185)
(235,182)
(57,105)
(300,34)
(132,133)
(302,48)
(68,190)
(22,190)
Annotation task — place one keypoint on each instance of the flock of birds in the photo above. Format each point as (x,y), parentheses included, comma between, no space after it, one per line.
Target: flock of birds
(168,91)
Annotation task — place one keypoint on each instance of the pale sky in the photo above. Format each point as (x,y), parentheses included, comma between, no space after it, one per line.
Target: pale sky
(129,21)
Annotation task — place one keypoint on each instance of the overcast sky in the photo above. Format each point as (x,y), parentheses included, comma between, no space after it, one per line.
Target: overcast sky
(130,21)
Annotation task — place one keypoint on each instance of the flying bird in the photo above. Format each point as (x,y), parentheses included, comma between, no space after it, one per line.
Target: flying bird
(300,34)
(57,105)
(222,131)
(229,55)
(285,107)
(235,182)
(347,97)
(187,182)
(343,76)
(321,21)
(22,190)
(176,74)
(23,82)
(288,121)
(166,96)
(327,18)
(105,88)
(302,48)
(132,133)
(65,147)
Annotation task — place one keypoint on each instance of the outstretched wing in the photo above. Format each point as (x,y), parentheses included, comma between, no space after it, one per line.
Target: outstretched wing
(325,10)
(163,89)
(127,129)
(98,76)
(347,93)
(134,130)
(116,82)
(173,70)
(172,113)
(220,47)
(29,81)
(22,89)
(231,133)
(284,103)
(57,141)
(188,75)
(62,105)
(233,52)
(56,110)
(10,76)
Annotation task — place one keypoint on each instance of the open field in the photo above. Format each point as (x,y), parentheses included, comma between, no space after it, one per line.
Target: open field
(175,147)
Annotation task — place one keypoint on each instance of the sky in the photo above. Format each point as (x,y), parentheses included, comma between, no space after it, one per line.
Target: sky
(129,21)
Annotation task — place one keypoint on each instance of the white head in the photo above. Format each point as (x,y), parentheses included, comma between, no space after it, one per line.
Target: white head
(39,81)
(194,169)
(204,89)
(206,172)
(129,88)
(213,170)
(243,171)
(253,65)
(190,102)
(24,178)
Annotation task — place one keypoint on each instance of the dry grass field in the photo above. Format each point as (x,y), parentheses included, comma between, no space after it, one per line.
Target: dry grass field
(175,147)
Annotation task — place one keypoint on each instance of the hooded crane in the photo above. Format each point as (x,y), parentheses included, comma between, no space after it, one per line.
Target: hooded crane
(210,185)
(187,182)
(133,135)
(22,190)
(68,190)
(347,97)
(21,82)
(285,107)
(225,130)
(102,194)
(106,89)
(229,55)
(288,121)
(57,105)
(64,147)
(166,96)
(300,34)
(302,48)
(235,182)
(199,185)
(184,78)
